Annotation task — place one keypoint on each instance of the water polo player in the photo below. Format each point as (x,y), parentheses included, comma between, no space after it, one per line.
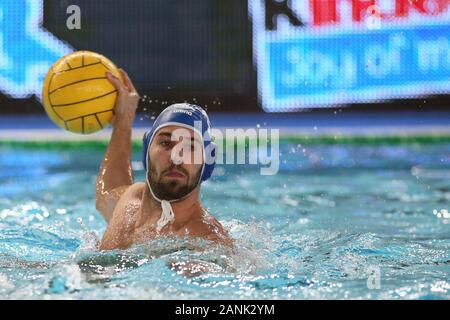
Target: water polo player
(168,202)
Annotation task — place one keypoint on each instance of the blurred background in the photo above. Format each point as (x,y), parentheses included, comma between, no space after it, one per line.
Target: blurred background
(252,56)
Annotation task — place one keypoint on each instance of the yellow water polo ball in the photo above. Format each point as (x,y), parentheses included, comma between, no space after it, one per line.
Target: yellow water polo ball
(77,95)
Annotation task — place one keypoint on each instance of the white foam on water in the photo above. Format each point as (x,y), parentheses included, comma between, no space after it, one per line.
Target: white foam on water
(5,284)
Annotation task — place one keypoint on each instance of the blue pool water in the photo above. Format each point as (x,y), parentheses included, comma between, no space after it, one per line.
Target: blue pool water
(337,222)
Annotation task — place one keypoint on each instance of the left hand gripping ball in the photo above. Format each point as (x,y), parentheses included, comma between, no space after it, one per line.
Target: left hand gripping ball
(77,96)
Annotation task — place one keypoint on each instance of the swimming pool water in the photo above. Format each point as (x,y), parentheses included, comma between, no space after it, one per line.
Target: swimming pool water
(337,222)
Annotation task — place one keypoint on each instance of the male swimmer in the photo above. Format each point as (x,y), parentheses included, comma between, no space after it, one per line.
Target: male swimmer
(168,202)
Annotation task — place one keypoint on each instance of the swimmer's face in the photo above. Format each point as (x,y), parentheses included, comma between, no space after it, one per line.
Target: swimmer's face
(170,175)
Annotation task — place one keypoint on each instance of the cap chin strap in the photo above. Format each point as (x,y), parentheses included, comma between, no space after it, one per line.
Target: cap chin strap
(167,214)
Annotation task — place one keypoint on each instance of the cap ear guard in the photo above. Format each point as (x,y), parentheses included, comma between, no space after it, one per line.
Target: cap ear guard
(145,146)
(210,161)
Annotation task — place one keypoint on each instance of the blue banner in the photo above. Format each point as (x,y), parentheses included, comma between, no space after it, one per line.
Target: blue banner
(27,50)
(313,66)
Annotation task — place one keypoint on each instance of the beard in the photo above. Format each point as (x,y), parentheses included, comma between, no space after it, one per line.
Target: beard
(171,189)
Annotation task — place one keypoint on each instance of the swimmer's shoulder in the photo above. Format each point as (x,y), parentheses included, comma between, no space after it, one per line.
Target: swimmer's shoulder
(120,195)
(133,191)
(214,230)
(130,197)
(119,233)
(136,189)
(210,220)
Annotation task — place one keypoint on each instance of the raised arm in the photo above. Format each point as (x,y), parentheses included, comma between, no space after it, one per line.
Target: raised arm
(115,174)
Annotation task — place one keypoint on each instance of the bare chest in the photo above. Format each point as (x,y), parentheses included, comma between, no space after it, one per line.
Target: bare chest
(147,231)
